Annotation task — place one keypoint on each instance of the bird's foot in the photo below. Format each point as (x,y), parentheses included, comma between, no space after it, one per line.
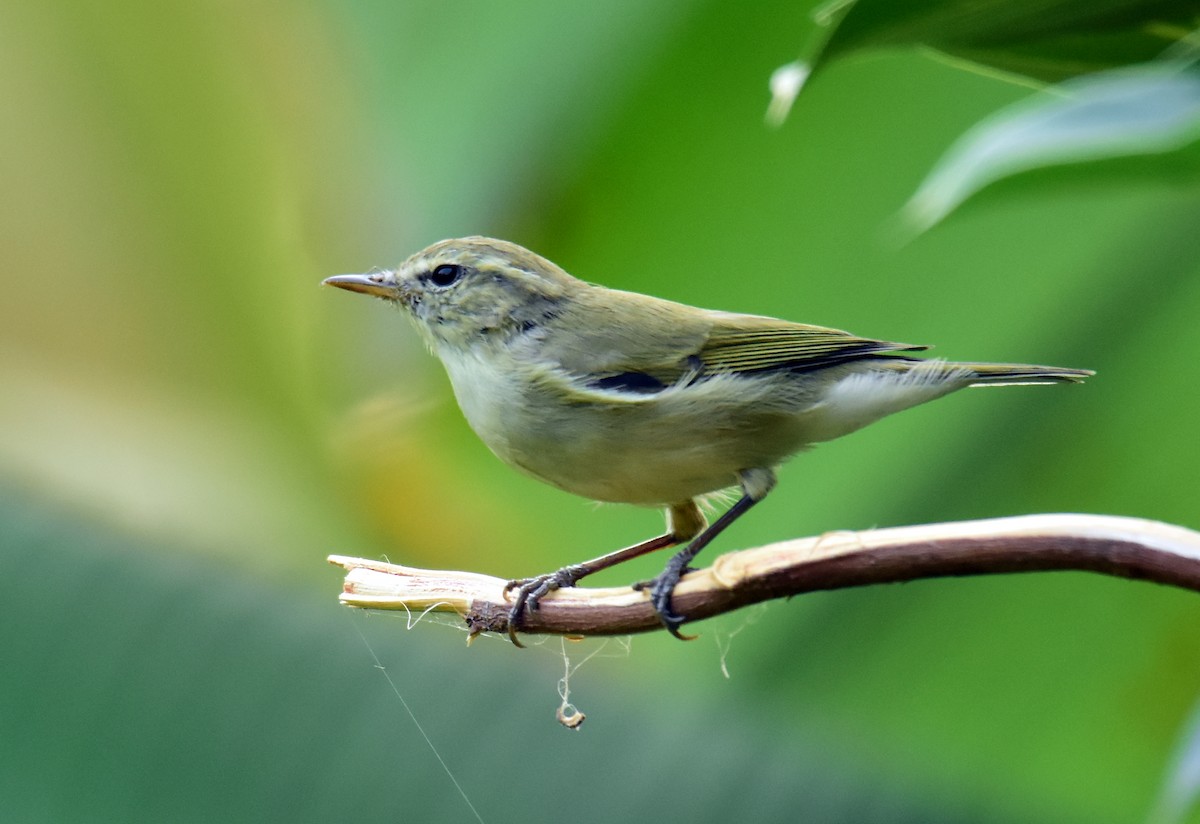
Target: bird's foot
(530,592)
(660,590)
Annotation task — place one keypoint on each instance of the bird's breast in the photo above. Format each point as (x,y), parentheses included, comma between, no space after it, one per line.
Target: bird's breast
(623,446)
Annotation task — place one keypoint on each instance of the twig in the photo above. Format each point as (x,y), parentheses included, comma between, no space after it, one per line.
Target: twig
(1124,547)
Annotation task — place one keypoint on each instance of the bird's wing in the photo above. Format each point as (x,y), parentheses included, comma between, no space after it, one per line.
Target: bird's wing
(747,343)
(626,342)
(646,344)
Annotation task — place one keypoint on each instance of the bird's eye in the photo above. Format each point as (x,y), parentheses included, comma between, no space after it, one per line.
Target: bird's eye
(446,274)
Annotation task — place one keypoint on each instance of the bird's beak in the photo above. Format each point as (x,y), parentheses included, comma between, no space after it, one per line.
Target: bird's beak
(378,284)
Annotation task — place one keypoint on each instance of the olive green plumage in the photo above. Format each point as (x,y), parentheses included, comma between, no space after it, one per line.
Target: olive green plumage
(628,398)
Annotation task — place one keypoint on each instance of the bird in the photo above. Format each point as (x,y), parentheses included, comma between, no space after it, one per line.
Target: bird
(622,397)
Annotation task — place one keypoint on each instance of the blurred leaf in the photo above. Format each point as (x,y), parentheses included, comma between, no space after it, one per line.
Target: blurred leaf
(1043,40)
(1106,115)
(1181,785)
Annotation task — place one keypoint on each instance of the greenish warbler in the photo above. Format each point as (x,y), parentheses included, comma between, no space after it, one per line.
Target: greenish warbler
(622,397)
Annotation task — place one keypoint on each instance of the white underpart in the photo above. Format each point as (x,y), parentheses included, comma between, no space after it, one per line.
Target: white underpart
(864,397)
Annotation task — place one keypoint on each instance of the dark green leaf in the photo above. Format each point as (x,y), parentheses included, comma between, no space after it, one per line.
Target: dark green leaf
(1042,40)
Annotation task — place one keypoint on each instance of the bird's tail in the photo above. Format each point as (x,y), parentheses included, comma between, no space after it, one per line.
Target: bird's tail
(999,374)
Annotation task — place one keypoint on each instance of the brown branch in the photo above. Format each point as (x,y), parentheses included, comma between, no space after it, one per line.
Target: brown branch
(1124,547)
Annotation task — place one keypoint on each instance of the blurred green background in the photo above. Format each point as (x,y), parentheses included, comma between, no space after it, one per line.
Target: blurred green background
(190,424)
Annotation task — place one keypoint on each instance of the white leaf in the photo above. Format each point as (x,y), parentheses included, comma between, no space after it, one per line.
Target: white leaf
(1102,115)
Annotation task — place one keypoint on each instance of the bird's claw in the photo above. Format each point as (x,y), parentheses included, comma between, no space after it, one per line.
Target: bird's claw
(530,592)
(660,590)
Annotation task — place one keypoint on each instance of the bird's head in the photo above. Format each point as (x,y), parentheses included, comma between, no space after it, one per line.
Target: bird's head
(466,291)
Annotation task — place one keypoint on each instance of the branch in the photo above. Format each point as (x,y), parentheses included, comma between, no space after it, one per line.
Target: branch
(1111,545)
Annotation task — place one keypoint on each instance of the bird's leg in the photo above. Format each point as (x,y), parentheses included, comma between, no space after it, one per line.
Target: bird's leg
(531,590)
(756,483)
(684,521)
